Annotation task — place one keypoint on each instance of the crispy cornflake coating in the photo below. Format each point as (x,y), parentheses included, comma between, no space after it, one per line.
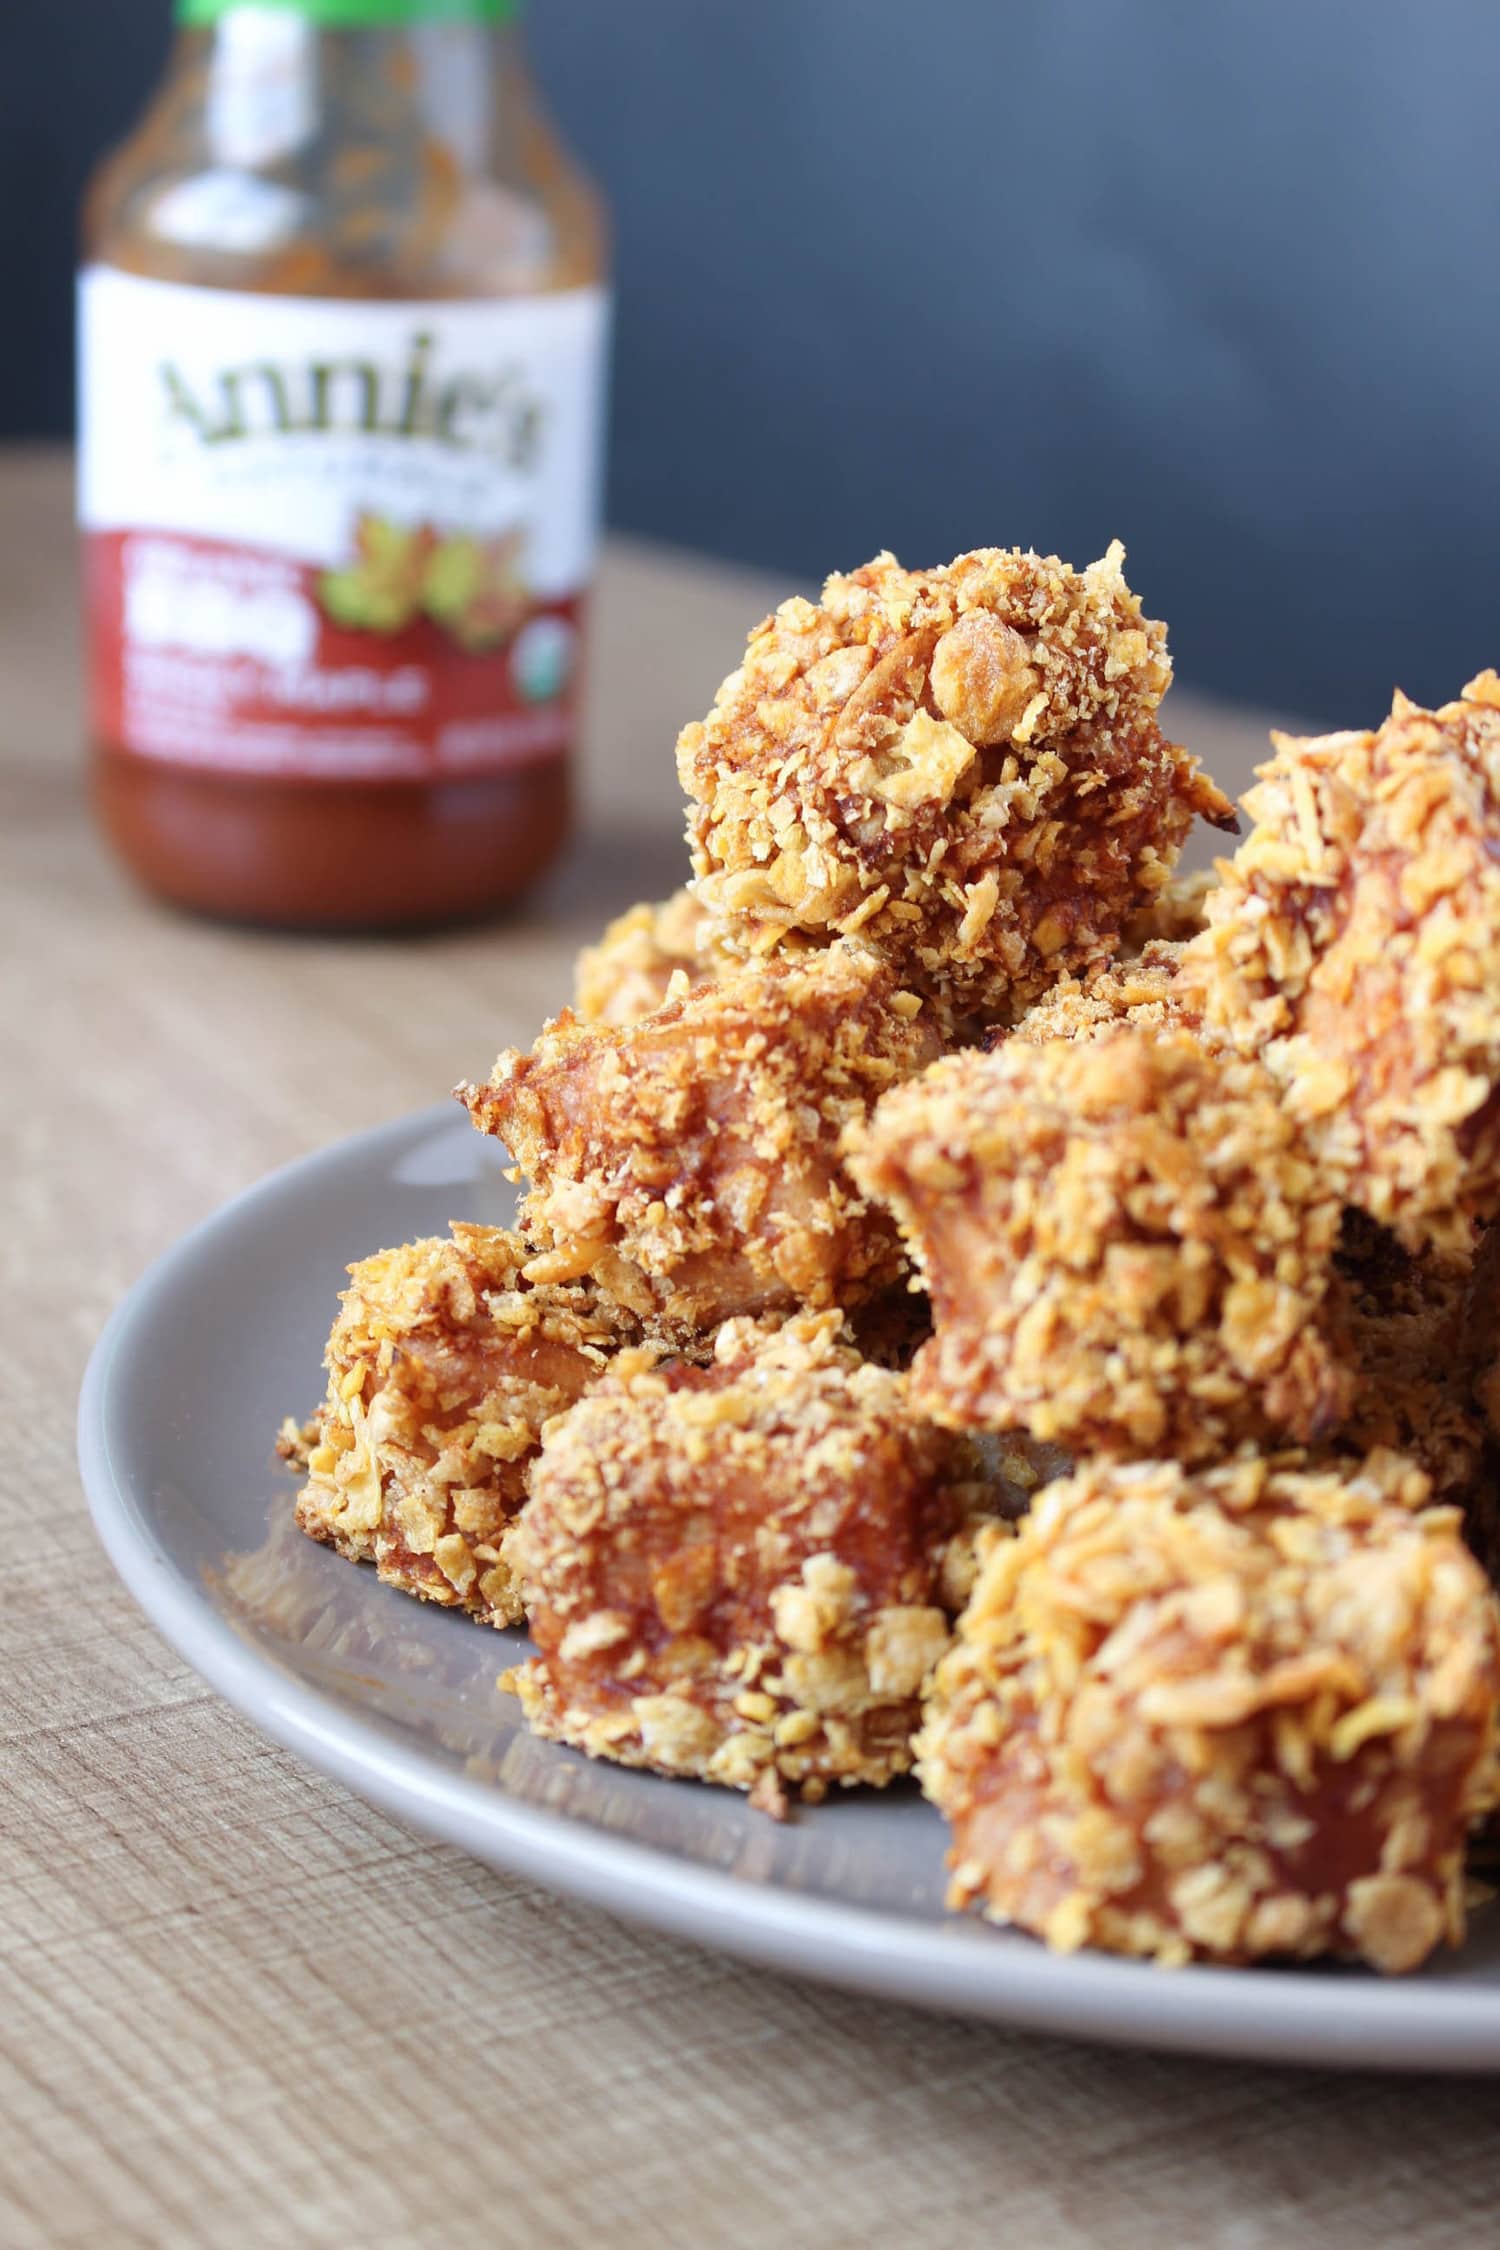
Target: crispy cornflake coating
(964,764)
(735,1571)
(690,1162)
(1240,1713)
(630,972)
(443,1367)
(1126,1248)
(1354,942)
(1141,991)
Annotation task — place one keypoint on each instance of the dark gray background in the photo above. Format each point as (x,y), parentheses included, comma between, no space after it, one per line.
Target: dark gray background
(1218,276)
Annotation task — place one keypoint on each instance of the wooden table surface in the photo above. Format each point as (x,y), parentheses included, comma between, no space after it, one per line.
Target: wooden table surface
(239,2007)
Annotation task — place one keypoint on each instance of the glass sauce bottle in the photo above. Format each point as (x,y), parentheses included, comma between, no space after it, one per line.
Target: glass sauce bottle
(342,347)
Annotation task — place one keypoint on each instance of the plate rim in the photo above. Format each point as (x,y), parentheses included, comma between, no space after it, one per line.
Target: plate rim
(1330,2018)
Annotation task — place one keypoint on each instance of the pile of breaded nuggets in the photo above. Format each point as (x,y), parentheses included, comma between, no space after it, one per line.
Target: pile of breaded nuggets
(983,1307)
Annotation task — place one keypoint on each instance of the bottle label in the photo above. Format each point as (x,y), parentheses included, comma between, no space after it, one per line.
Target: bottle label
(333,539)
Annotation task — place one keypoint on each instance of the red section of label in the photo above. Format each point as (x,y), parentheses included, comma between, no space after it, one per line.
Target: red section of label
(423,658)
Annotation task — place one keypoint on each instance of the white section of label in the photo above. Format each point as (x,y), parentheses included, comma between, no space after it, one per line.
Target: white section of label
(276,423)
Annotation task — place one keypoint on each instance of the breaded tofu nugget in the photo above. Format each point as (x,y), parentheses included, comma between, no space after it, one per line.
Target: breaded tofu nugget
(689,1163)
(1239,1713)
(1126,1247)
(964,764)
(1354,944)
(629,972)
(443,1366)
(734,1571)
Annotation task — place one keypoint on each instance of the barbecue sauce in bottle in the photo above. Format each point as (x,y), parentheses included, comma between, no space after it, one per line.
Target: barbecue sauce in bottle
(343,325)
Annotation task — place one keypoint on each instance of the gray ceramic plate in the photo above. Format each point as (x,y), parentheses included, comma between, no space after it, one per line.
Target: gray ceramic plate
(180,1407)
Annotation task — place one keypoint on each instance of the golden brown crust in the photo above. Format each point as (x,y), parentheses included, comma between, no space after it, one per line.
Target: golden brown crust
(1354,943)
(735,1571)
(1141,991)
(443,1367)
(631,970)
(1126,1248)
(963,764)
(1246,1712)
(689,1163)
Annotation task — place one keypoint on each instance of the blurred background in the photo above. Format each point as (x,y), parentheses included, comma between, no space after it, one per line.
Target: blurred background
(1215,279)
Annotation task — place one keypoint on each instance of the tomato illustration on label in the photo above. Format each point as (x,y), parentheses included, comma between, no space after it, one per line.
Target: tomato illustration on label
(380,591)
(475,589)
(472,588)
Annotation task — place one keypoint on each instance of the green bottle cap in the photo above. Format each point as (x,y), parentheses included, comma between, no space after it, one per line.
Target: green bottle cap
(358,15)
